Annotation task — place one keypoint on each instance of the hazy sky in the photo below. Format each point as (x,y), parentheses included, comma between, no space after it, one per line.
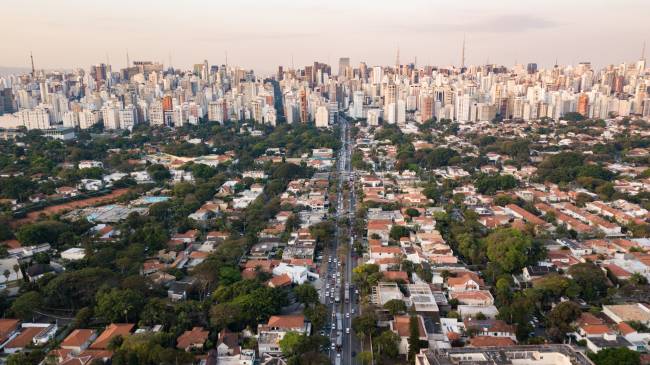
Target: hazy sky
(265,33)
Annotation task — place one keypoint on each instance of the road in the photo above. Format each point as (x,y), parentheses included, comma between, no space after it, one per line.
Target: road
(345,352)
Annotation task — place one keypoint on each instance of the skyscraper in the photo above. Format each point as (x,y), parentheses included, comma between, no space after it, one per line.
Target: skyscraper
(583,105)
(344,65)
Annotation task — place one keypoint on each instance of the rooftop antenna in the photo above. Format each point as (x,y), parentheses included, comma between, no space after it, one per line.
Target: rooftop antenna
(170,59)
(128,62)
(397,59)
(31,57)
(292,62)
(462,63)
(226,59)
(643,51)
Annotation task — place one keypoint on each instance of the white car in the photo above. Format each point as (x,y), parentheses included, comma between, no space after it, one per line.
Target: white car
(347,315)
(347,330)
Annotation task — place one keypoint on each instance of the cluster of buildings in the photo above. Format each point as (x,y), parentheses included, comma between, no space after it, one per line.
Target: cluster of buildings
(143,92)
(147,92)
(475,333)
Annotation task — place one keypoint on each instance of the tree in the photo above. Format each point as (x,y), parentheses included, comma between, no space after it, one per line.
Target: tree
(289,342)
(414,337)
(554,286)
(323,232)
(317,315)
(77,289)
(223,315)
(395,306)
(560,318)
(303,349)
(490,184)
(26,357)
(590,279)
(306,294)
(42,232)
(366,276)
(158,173)
(412,212)
(365,324)
(508,248)
(397,232)
(386,345)
(83,318)
(23,307)
(118,305)
(365,357)
(149,349)
(616,356)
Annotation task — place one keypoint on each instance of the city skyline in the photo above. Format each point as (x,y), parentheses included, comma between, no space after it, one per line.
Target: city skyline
(275,33)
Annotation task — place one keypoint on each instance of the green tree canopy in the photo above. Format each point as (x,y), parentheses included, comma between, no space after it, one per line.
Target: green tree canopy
(119,305)
(591,280)
(508,248)
(23,307)
(306,294)
(395,306)
(616,356)
(560,318)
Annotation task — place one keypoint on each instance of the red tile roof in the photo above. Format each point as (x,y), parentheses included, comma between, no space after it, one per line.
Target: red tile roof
(196,337)
(114,329)
(489,341)
(287,321)
(78,338)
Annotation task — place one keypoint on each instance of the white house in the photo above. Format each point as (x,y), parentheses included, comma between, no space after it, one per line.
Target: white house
(73,254)
(298,274)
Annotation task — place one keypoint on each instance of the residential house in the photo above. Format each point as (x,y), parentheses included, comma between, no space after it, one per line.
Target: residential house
(111,331)
(79,340)
(401,325)
(270,334)
(192,340)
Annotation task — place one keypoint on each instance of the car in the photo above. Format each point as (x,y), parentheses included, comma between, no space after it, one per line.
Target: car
(333,346)
(347,315)
(327,294)
(352,311)
(347,330)
(322,333)
(338,355)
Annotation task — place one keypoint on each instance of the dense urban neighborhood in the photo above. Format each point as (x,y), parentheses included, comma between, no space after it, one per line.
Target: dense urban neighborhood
(384,215)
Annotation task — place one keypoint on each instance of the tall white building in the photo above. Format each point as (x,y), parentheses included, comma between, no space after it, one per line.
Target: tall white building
(88,118)
(322,117)
(128,117)
(401,111)
(111,117)
(38,118)
(357,104)
(156,114)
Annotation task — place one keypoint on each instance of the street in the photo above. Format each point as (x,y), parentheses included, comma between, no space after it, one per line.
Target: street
(343,303)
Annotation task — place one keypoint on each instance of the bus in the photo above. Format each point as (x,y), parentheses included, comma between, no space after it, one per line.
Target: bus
(347,293)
